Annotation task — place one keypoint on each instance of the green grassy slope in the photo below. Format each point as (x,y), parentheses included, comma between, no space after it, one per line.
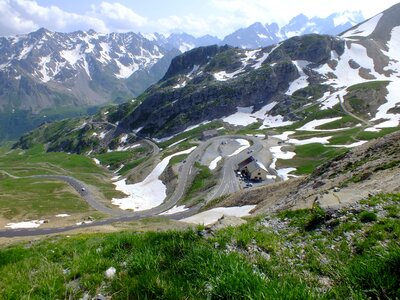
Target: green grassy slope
(309,254)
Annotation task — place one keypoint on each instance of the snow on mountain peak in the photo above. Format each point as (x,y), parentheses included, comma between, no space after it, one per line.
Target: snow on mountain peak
(364,29)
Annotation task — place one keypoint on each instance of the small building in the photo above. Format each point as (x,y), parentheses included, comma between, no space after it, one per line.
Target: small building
(253,169)
(208,134)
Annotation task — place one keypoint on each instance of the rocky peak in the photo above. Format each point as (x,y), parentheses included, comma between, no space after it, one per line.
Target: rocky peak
(184,63)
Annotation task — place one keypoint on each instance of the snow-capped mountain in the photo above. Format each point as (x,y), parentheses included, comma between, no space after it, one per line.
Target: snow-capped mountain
(358,70)
(259,35)
(47,69)
(181,41)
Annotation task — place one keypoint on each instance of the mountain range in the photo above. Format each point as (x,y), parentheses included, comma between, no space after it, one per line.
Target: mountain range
(259,35)
(50,75)
(301,78)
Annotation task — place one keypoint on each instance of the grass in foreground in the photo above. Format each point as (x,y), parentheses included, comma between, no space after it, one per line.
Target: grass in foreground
(307,254)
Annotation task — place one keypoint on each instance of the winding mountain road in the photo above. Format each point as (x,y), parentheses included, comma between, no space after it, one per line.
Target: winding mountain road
(227,184)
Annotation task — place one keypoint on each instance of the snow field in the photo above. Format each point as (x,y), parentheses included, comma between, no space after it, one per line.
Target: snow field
(25,224)
(174,210)
(149,193)
(213,215)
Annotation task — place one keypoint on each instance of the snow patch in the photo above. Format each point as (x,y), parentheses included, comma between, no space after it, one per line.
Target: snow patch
(284,136)
(319,140)
(393,45)
(275,121)
(310,126)
(175,210)
(25,224)
(364,29)
(149,193)
(301,82)
(244,115)
(393,99)
(125,71)
(176,143)
(284,173)
(349,146)
(62,215)
(213,215)
(214,163)
(73,55)
(277,153)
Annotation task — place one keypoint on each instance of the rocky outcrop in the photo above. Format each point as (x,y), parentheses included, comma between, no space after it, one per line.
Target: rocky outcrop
(191,91)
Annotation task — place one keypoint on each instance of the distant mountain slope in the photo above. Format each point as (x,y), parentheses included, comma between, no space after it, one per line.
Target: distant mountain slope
(259,35)
(299,80)
(213,82)
(49,69)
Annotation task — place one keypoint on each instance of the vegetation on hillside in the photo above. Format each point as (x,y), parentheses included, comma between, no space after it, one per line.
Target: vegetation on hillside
(308,254)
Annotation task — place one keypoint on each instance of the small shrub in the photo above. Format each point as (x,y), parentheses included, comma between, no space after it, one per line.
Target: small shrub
(368,216)
(317,217)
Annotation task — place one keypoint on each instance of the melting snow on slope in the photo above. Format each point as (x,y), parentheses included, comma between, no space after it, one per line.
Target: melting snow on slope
(244,144)
(73,55)
(125,71)
(62,215)
(301,82)
(284,173)
(25,224)
(260,61)
(393,99)
(365,29)
(43,69)
(147,194)
(277,153)
(176,143)
(244,115)
(96,161)
(345,75)
(310,126)
(275,121)
(214,163)
(213,215)
(223,76)
(319,140)
(394,45)
(284,136)
(175,210)
(349,146)
(249,55)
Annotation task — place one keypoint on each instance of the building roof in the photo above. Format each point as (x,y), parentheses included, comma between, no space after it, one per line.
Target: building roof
(256,166)
(244,163)
(261,165)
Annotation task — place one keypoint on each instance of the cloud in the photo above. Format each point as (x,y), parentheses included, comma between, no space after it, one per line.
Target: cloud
(22,16)
(117,16)
(190,24)
(216,17)
(282,11)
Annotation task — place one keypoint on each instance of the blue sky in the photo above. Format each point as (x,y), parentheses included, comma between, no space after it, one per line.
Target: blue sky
(197,17)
